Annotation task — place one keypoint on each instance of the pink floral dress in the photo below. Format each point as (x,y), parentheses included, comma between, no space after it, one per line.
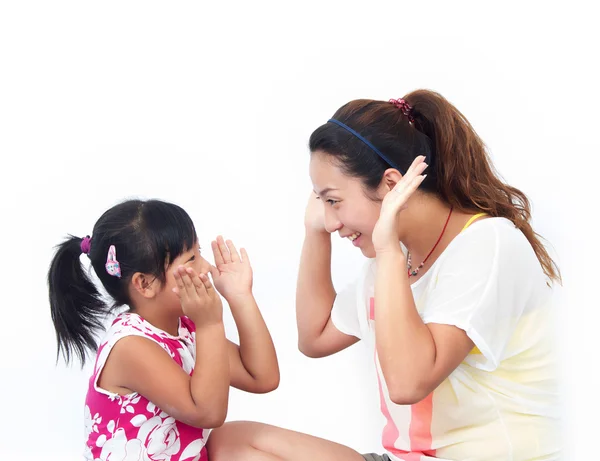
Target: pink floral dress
(130,427)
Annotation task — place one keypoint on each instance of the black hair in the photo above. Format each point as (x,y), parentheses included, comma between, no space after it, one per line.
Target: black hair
(147,236)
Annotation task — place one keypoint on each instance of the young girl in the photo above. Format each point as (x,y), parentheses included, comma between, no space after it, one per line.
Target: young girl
(163,370)
(455,299)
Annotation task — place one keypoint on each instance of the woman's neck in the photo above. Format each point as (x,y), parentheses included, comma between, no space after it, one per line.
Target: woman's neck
(422,227)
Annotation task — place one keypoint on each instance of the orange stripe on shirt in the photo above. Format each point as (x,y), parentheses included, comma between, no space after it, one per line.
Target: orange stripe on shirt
(421,440)
(420,436)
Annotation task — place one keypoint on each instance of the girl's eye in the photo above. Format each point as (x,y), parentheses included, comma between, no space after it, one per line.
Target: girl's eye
(332,202)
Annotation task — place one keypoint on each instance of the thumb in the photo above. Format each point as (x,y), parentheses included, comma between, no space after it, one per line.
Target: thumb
(214,272)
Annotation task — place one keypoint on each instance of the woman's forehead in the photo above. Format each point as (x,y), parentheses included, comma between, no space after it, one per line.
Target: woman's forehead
(325,174)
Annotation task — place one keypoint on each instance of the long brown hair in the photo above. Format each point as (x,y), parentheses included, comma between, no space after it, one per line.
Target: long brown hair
(461,172)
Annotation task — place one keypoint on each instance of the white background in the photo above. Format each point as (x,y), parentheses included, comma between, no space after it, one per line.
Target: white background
(211,105)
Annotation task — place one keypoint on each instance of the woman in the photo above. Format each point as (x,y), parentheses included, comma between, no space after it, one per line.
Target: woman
(455,298)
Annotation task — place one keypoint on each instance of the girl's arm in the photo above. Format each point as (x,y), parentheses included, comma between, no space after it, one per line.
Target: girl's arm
(137,364)
(253,363)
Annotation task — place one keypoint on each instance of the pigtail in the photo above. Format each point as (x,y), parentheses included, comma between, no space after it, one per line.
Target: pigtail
(76,306)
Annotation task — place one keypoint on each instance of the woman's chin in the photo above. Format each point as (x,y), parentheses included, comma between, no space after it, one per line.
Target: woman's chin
(368,251)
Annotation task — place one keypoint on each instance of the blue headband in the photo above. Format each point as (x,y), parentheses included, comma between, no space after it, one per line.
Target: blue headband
(367,142)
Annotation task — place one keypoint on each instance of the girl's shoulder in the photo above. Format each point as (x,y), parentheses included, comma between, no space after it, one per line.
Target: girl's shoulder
(132,324)
(180,347)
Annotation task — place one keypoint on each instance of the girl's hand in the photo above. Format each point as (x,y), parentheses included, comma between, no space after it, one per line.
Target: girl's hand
(233,275)
(385,233)
(199,300)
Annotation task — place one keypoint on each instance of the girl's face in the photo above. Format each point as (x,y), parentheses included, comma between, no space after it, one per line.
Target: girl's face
(190,258)
(348,210)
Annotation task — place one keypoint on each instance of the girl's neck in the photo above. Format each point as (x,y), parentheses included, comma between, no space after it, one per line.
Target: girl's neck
(167,323)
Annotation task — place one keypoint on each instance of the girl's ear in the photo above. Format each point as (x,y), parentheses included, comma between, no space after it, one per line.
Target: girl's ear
(145,284)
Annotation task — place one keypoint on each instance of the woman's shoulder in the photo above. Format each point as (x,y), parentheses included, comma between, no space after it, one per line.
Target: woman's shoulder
(494,236)
(495,246)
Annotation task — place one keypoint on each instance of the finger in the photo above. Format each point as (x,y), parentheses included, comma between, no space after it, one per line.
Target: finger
(187,281)
(214,272)
(206,282)
(224,249)
(235,257)
(245,258)
(179,289)
(217,253)
(406,190)
(196,281)
(419,169)
(417,162)
(415,183)
(413,172)
(178,280)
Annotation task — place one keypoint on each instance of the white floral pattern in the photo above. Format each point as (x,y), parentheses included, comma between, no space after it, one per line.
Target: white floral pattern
(130,427)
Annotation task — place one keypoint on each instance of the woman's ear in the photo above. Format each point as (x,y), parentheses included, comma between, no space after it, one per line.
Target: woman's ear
(391,177)
(145,284)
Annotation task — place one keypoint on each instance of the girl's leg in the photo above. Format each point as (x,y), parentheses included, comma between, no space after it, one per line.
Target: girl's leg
(249,441)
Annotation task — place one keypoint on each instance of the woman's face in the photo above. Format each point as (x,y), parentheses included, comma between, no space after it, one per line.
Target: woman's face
(348,210)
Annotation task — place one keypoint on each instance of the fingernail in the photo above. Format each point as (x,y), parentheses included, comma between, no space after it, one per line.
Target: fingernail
(424,176)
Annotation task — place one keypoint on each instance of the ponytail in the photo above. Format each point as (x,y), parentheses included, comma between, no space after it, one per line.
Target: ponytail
(76,306)
(465,176)
(461,173)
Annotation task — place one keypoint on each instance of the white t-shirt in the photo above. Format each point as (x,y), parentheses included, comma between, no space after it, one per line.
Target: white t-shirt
(501,403)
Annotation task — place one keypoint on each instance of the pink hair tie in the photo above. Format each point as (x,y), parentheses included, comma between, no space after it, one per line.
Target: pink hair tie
(85,245)
(405,107)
